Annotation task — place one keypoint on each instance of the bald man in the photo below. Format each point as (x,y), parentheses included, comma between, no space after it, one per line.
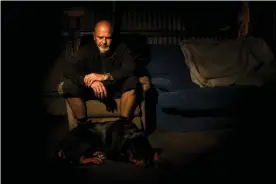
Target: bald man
(100,70)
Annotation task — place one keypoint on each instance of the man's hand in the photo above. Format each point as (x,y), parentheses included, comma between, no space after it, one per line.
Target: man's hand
(91,78)
(99,89)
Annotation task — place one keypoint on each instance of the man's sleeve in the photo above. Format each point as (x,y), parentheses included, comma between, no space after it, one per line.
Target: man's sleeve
(128,66)
(74,68)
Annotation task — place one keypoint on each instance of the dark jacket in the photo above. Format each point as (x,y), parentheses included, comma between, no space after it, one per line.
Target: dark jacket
(119,63)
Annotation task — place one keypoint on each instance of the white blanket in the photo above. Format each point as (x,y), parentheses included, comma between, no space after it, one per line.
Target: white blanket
(244,61)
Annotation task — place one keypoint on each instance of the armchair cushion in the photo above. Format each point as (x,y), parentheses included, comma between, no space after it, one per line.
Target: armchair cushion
(96,109)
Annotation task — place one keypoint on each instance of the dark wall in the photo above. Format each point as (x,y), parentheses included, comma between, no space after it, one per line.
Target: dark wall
(30,42)
(33,31)
(263,21)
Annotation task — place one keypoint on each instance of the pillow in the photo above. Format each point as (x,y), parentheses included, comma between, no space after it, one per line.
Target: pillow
(242,61)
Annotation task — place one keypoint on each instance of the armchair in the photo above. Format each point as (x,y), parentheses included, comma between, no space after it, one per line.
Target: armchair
(97,112)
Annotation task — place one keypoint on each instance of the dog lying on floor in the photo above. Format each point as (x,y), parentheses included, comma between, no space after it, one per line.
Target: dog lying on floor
(119,140)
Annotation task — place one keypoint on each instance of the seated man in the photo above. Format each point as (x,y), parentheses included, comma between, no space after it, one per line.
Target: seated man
(100,69)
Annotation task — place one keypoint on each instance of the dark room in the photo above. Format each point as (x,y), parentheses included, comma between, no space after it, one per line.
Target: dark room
(137,91)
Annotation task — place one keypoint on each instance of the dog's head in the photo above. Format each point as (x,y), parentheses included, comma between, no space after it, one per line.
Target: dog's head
(128,143)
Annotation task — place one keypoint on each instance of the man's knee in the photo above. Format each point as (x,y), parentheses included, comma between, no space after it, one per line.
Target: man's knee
(133,87)
(68,89)
(129,93)
(129,84)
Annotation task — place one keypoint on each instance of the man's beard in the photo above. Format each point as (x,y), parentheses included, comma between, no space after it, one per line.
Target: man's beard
(104,49)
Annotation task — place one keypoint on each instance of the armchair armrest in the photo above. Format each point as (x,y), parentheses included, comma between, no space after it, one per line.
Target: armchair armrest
(146,85)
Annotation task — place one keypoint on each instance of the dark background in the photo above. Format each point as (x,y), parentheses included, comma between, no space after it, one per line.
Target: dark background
(32,40)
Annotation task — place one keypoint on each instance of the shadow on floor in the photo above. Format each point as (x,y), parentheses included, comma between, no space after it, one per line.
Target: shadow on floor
(189,155)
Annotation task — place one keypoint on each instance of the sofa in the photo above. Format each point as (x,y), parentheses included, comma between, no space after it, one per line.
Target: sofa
(182,105)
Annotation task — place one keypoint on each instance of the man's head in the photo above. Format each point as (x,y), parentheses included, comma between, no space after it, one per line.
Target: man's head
(103,36)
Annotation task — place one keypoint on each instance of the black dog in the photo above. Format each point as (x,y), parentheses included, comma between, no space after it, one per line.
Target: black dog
(119,140)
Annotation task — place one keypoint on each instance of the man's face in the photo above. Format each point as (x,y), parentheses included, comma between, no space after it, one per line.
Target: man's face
(103,39)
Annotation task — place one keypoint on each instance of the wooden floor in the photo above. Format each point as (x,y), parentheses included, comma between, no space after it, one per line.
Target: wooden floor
(185,143)
(193,155)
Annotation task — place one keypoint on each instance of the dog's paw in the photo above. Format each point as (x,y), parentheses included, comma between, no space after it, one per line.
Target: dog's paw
(143,162)
(137,162)
(100,155)
(92,160)
(97,158)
